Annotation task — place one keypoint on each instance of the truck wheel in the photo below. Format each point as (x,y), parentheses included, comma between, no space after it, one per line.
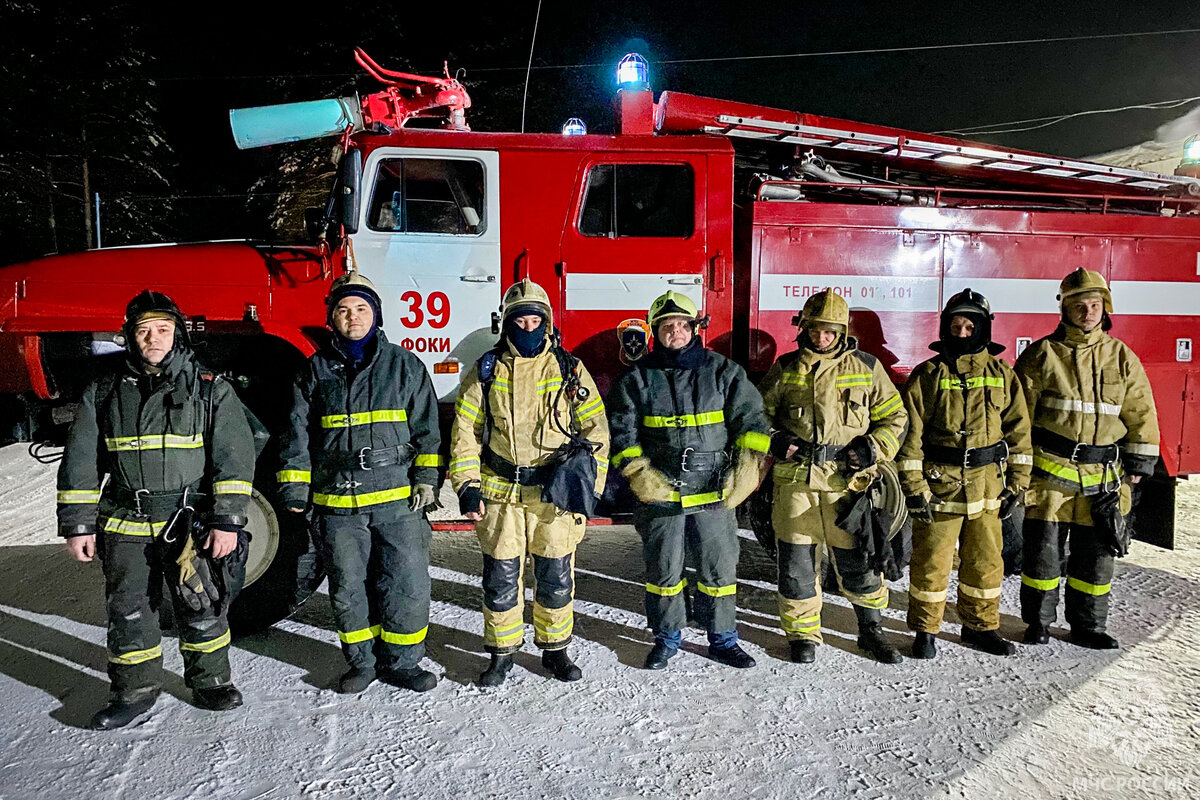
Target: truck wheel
(282,568)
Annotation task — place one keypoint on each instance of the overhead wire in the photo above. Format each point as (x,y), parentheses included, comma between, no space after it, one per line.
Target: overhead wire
(996,128)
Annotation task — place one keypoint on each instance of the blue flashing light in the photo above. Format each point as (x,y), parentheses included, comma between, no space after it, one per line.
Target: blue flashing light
(633,72)
(574,127)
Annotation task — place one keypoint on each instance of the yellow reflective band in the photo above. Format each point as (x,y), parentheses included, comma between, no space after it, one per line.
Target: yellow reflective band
(502,384)
(210,646)
(856,379)
(129,527)
(666,591)
(693,500)
(293,476)
(1070,474)
(800,624)
(548,386)
(886,408)
(977,593)
(469,411)
(1063,404)
(716,591)
(601,464)
(361,635)
(233,487)
(590,409)
(627,453)
(1021,458)
(927,597)
(364,418)
(753,440)
(136,656)
(360,500)
(889,439)
(871,602)
(1043,584)
(513,633)
(1095,589)
(910,465)
(404,638)
(1140,448)
(561,629)
(168,441)
(428,460)
(463,464)
(972,383)
(78,496)
(794,379)
(974,507)
(685,420)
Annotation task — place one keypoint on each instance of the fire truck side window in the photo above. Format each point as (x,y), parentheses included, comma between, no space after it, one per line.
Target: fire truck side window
(644,200)
(428,195)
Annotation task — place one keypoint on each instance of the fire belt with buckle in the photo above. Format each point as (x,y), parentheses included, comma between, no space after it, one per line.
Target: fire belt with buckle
(154,505)
(368,458)
(818,454)
(525,476)
(693,460)
(967,458)
(1076,452)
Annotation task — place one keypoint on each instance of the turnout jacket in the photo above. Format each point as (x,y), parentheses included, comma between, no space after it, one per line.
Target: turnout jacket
(345,419)
(963,403)
(1092,389)
(524,414)
(828,399)
(687,415)
(152,433)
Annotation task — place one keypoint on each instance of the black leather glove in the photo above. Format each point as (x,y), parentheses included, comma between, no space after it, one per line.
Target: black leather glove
(859,454)
(919,508)
(1008,501)
(469,499)
(780,442)
(197,586)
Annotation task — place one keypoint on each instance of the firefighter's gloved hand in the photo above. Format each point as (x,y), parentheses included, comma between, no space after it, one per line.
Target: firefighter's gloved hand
(470,499)
(782,443)
(919,508)
(743,477)
(424,498)
(1008,502)
(859,454)
(650,485)
(196,584)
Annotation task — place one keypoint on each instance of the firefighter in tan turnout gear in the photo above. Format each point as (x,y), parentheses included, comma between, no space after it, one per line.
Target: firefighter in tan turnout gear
(835,415)
(1095,432)
(518,410)
(964,466)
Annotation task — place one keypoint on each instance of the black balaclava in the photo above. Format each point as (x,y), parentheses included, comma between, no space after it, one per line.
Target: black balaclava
(527,343)
(360,350)
(955,346)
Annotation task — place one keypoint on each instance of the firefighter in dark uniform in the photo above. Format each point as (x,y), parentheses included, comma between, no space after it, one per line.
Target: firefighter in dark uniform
(835,415)
(688,433)
(964,466)
(1095,432)
(362,448)
(177,448)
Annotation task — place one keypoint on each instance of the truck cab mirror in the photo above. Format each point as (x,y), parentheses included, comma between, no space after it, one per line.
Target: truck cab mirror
(350,182)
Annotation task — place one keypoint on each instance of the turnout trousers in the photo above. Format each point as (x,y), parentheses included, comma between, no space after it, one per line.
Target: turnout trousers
(508,533)
(1061,541)
(805,520)
(379,584)
(711,538)
(134,571)
(979,541)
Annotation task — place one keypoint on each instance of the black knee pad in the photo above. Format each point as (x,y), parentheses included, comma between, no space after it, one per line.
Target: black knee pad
(855,572)
(500,584)
(797,570)
(554,584)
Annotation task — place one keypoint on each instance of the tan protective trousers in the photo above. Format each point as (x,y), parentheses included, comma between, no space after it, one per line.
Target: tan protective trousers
(979,542)
(508,533)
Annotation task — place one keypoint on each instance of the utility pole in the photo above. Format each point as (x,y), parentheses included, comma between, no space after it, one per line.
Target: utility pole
(87,188)
(98,221)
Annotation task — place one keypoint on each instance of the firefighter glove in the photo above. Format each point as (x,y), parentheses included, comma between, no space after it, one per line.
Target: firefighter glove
(743,478)
(650,485)
(781,441)
(859,454)
(1111,525)
(469,499)
(197,586)
(919,508)
(1008,502)
(424,498)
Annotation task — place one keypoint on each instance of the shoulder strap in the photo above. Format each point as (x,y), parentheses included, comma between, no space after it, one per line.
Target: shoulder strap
(487,374)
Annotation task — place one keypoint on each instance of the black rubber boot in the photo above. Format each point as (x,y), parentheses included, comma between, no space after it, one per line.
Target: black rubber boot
(217,698)
(414,679)
(802,651)
(987,641)
(120,712)
(659,655)
(355,680)
(871,638)
(561,665)
(1095,640)
(924,645)
(732,656)
(1036,634)
(497,670)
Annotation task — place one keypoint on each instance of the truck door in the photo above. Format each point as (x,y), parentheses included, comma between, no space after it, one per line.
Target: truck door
(429,238)
(636,229)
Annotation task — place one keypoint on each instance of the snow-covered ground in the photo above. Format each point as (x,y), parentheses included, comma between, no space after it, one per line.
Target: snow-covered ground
(1053,722)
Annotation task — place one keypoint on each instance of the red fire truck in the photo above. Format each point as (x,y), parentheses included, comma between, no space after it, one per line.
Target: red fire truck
(746,209)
